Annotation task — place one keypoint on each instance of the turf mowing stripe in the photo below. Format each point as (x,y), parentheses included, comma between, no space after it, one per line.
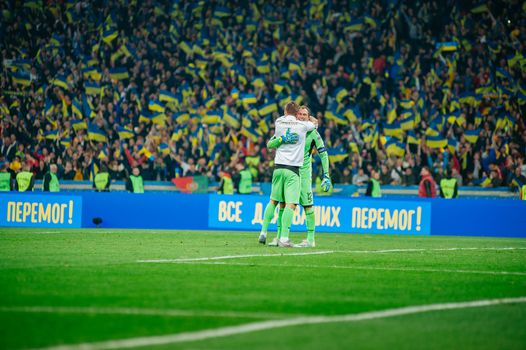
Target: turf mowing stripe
(143,312)
(232,257)
(273,324)
(353,267)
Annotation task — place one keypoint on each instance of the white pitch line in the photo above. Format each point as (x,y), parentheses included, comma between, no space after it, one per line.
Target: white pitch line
(354,267)
(143,312)
(273,324)
(410,250)
(225,257)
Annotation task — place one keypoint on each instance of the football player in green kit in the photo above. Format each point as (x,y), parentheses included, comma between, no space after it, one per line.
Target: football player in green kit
(313,140)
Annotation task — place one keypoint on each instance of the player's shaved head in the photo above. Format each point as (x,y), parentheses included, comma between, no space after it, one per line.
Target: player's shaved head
(291,108)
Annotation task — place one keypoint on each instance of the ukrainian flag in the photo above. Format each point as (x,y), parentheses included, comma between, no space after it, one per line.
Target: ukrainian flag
(447,46)
(66,142)
(279,86)
(353,26)
(294,66)
(352,114)
(436,141)
(336,117)
(250,133)
(156,106)
(248,98)
(119,73)
(61,81)
(408,123)
(21,79)
(209,102)
(432,132)
(158,118)
(124,133)
(76,108)
(48,107)
(412,139)
(268,108)
(96,134)
(51,134)
(183,45)
(145,116)
(501,73)
(406,104)
(92,88)
(109,35)
(263,67)
(395,148)
(167,96)
(164,149)
(230,119)
(92,73)
(79,125)
(337,154)
(452,145)
(472,135)
(87,108)
(177,134)
(394,130)
(340,94)
(211,117)
(181,117)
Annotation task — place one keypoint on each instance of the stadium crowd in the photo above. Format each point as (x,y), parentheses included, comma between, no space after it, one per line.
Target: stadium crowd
(192,87)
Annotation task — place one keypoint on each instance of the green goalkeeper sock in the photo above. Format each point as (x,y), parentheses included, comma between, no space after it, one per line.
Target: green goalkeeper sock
(280,215)
(267,216)
(286,221)
(311,224)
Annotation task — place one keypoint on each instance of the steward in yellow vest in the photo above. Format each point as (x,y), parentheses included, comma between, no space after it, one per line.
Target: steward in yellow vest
(5,178)
(101,182)
(226,185)
(51,183)
(448,186)
(25,180)
(373,187)
(135,183)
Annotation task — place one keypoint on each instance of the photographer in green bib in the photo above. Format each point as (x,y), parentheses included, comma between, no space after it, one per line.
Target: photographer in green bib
(25,179)
(51,183)
(101,181)
(135,183)
(448,186)
(5,178)
(373,187)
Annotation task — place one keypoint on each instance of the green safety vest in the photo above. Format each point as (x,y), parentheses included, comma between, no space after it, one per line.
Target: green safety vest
(253,163)
(23,179)
(5,181)
(376,192)
(101,180)
(448,187)
(137,184)
(523,192)
(54,185)
(245,183)
(228,185)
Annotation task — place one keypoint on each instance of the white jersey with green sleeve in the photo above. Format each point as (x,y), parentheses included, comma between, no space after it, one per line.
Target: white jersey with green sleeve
(292,154)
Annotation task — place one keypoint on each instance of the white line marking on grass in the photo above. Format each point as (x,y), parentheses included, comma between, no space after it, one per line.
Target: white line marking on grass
(142,312)
(354,267)
(232,257)
(410,250)
(273,324)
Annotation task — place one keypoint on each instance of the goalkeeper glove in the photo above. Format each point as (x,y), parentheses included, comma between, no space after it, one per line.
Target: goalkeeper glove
(326,183)
(289,137)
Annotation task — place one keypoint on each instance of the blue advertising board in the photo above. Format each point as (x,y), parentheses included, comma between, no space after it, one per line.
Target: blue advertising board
(332,215)
(28,210)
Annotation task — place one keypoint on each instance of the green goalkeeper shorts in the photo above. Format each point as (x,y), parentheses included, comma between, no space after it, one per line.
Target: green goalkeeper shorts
(285,186)
(306,198)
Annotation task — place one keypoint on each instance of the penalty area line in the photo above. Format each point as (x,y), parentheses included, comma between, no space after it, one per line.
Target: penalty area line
(226,257)
(273,324)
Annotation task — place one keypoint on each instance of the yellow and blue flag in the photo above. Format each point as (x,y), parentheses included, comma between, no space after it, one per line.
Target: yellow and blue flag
(21,79)
(471,135)
(92,88)
(96,134)
(248,98)
(268,108)
(156,106)
(109,35)
(79,125)
(167,96)
(125,133)
(337,154)
(119,73)
(230,119)
(436,141)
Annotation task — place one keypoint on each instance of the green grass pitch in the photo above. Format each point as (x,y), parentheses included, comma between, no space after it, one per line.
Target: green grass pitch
(86,287)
